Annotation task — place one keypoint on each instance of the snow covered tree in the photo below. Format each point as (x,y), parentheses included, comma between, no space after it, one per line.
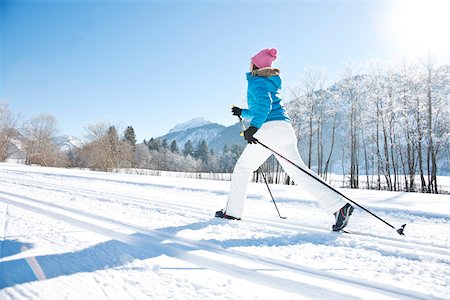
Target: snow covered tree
(142,156)
(312,81)
(228,158)
(153,144)
(392,124)
(437,89)
(352,93)
(164,144)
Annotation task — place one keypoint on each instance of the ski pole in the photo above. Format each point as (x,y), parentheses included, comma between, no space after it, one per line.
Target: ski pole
(262,173)
(399,230)
(270,192)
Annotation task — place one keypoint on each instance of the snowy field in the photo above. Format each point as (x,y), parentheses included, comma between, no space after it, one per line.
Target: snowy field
(71,234)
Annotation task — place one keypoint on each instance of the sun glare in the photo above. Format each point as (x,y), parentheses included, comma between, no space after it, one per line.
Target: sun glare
(422,26)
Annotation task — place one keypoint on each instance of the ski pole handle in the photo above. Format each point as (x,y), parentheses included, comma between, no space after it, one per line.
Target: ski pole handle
(242,123)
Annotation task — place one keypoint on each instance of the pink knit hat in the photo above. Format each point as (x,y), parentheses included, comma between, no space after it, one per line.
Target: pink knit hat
(265,58)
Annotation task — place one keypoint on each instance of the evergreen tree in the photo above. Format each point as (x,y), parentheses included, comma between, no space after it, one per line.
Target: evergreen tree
(201,151)
(226,160)
(113,138)
(226,148)
(164,144)
(237,150)
(174,147)
(113,148)
(188,149)
(153,144)
(129,136)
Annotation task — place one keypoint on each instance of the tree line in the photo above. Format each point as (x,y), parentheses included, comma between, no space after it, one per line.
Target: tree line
(388,129)
(106,148)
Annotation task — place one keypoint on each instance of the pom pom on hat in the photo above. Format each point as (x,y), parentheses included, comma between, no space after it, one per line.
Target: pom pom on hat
(265,58)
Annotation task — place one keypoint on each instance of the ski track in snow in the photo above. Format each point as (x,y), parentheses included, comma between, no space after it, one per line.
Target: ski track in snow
(138,227)
(387,241)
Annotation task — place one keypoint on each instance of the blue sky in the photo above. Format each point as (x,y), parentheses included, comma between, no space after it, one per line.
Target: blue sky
(153,64)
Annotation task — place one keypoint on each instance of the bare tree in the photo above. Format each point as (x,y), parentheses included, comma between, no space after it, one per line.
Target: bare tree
(40,147)
(101,150)
(312,82)
(352,94)
(437,96)
(105,150)
(8,130)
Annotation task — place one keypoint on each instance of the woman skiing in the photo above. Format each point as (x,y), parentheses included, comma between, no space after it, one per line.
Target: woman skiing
(270,124)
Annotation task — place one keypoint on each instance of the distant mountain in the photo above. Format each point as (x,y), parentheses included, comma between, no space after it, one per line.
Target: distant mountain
(15,151)
(17,154)
(196,130)
(195,134)
(194,123)
(68,143)
(228,136)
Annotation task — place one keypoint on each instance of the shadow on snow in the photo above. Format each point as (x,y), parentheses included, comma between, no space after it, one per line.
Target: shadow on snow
(113,253)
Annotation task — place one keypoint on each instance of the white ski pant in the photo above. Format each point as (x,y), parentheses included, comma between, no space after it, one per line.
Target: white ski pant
(279,136)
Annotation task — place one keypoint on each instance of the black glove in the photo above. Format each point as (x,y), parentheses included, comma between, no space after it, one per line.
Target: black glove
(236,111)
(248,135)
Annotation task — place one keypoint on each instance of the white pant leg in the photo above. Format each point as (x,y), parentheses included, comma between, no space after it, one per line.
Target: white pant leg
(251,158)
(329,200)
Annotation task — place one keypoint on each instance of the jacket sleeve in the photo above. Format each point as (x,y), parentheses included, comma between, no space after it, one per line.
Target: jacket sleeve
(263,103)
(246,114)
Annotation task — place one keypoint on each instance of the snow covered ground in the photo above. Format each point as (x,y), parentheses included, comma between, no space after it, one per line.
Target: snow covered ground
(71,234)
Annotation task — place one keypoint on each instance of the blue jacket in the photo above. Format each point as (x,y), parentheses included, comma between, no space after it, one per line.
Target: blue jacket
(263,99)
